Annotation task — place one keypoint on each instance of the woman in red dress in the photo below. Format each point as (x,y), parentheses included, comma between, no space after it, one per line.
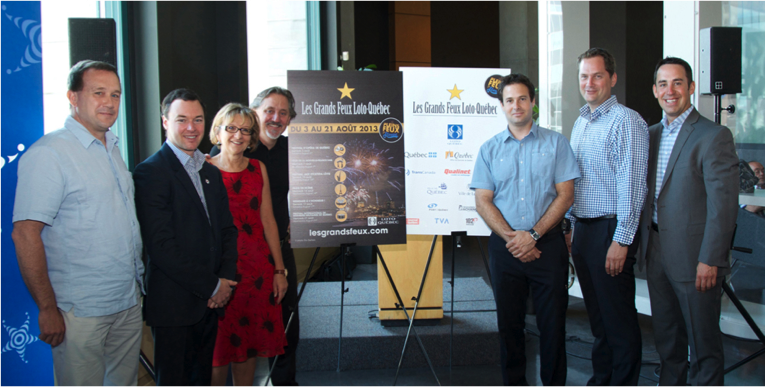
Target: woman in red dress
(252,326)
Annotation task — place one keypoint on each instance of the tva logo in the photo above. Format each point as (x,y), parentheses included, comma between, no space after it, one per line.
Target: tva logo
(441,220)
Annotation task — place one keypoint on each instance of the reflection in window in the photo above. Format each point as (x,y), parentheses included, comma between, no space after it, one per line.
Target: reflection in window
(555,44)
(750,113)
(276,42)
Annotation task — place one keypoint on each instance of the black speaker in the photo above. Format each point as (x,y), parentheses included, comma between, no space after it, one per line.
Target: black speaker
(94,39)
(721,60)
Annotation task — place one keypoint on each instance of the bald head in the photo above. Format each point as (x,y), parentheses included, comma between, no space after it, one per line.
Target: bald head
(758,169)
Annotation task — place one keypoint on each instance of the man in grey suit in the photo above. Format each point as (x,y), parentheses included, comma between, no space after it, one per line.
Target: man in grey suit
(687,224)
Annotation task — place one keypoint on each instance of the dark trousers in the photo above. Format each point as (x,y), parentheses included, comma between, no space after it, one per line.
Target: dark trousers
(611,304)
(511,280)
(183,356)
(684,318)
(284,372)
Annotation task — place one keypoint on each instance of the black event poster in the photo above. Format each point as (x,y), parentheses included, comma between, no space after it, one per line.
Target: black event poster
(347,158)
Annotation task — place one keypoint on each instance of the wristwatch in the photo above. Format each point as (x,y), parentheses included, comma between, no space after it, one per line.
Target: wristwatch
(534,234)
(622,244)
(283,272)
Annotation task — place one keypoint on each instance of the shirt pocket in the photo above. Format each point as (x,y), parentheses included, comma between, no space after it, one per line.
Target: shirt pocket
(543,163)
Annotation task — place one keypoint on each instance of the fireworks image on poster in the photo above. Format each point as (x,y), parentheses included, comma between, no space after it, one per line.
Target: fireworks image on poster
(372,180)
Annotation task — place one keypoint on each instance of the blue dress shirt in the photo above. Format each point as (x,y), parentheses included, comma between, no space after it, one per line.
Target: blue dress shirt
(84,194)
(667,140)
(523,174)
(192,166)
(611,145)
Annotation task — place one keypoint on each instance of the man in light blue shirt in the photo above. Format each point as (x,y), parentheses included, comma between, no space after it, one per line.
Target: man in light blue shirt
(524,184)
(611,144)
(78,240)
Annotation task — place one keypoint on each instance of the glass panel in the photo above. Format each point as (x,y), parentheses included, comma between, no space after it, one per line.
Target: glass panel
(749,15)
(55,46)
(555,49)
(276,42)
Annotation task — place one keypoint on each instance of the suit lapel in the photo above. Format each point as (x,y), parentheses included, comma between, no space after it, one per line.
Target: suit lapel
(207,188)
(183,177)
(683,135)
(654,139)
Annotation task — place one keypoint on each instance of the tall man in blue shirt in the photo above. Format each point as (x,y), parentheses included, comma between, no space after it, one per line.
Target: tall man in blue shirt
(77,237)
(686,229)
(524,184)
(611,144)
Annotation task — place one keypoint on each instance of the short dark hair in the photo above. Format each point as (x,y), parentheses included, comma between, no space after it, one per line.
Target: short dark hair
(609,62)
(512,79)
(676,61)
(75,82)
(182,94)
(275,90)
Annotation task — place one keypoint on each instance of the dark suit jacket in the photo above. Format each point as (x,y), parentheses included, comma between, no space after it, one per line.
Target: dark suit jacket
(698,202)
(187,253)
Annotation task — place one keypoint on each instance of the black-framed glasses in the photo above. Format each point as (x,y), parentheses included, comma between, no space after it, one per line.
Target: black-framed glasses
(234,129)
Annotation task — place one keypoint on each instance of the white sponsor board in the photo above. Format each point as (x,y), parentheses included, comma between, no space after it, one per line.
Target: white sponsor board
(450,113)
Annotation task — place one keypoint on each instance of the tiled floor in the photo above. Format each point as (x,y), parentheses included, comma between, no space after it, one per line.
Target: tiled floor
(469,264)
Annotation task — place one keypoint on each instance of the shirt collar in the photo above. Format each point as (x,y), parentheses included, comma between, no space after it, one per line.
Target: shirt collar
(198,158)
(85,137)
(600,110)
(532,133)
(678,122)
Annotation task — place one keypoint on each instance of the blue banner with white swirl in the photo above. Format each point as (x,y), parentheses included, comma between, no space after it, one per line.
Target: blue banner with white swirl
(26,360)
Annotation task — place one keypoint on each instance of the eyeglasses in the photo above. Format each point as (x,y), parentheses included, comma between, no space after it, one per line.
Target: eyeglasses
(234,129)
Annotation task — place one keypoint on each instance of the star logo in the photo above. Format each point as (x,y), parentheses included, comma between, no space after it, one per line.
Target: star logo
(19,339)
(31,30)
(455,92)
(345,91)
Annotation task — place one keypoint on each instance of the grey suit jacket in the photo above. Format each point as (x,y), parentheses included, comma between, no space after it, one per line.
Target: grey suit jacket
(698,201)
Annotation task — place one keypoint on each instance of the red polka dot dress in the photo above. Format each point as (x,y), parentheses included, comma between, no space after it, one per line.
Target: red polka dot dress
(252,324)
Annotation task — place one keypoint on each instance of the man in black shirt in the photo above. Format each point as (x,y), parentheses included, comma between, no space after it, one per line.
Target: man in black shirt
(275,107)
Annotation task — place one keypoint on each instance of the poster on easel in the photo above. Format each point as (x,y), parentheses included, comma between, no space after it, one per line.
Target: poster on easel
(450,113)
(346,154)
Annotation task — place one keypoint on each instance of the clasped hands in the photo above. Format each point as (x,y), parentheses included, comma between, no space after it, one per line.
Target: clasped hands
(522,246)
(221,298)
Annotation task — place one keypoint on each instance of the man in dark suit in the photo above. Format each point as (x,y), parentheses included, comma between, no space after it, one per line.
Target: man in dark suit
(687,224)
(191,242)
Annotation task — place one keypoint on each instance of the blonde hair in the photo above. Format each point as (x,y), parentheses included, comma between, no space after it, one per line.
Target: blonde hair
(227,114)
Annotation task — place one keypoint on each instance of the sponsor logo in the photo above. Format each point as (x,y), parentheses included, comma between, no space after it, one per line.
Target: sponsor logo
(441,220)
(413,221)
(492,85)
(457,156)
(466,208)
(418,155)
(440,190)
(391,130)
(435,207)
(457,172)
(414,172)
(454,132)
(471,221)
(372,221)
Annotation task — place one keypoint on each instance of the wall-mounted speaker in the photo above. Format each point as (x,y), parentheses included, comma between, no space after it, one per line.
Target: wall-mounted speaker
(94,39)
(720,60)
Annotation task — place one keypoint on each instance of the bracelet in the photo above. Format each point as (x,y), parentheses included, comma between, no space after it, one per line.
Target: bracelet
(283,272)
